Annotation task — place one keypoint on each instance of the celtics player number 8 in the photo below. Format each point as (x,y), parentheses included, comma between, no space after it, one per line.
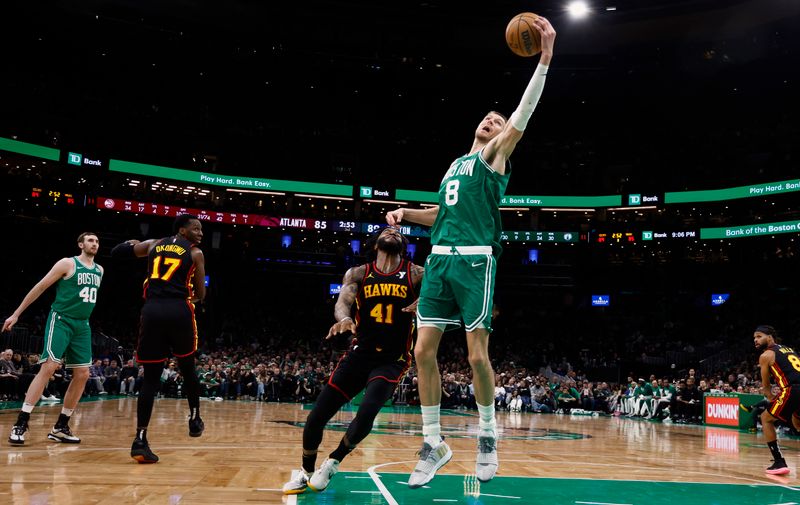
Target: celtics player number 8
(451,192)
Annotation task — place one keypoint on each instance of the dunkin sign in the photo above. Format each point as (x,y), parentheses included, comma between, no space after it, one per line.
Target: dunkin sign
(722,410)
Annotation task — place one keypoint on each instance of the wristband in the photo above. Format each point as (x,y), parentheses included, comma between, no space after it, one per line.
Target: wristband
(123,250)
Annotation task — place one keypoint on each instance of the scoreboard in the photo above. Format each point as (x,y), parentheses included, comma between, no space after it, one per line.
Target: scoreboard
(335,225)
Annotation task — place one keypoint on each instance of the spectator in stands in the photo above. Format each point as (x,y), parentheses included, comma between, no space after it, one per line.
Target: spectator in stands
(602,395)
(465,398)
(230,389)
(567,399)
(111,373)
(689,403)
(209,382)
(615,400)
(272,384)
(510,386)
(29,374)
(587,396)
(515,402)
(127,378)
(499,394)
(664,399)
(96,378)
(449,392)
(525,394)
(261,380)
(9,377)
(305,389)
(643,397)
(169,381)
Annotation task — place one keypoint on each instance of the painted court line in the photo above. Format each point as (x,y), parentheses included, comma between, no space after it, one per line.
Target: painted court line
(366,492)
(443,499)
(515,497)
(357,477)
(377,480)
(600,503)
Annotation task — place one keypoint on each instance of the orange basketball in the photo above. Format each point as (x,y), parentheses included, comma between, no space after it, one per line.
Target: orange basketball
(522,36)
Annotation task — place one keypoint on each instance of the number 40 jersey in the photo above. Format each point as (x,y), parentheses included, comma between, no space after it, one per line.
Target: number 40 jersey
(76,295)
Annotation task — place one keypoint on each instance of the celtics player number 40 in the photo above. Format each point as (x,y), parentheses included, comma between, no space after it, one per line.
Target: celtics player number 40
(88,295)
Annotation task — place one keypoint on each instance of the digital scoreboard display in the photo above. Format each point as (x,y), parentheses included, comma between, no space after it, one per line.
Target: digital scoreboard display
(302,223)
(617,237)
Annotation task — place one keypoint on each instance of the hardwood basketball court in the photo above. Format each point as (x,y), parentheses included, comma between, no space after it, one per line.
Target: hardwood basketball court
(249,450)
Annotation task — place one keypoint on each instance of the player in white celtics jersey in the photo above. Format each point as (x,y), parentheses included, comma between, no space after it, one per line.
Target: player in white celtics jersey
(67,338)
(459,274)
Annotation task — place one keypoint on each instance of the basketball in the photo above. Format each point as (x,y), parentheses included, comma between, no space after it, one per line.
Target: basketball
(522,36)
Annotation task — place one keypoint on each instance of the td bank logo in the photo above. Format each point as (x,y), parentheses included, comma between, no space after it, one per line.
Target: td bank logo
(647,235)
(634,199)
(366,192)
(75,159)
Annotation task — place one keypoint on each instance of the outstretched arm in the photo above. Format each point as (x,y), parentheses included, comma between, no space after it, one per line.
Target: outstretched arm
(344,304)
(133,248)
(500,148)
(62,268)
(425,217)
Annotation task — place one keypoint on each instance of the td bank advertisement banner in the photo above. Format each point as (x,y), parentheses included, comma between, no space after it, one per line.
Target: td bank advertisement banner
(752,230)
(721,410)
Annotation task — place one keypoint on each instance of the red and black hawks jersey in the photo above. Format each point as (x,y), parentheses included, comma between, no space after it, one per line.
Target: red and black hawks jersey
(170,269)
(383,328)
(786,369)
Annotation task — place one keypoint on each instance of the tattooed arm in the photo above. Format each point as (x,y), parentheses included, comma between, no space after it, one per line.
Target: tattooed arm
(344,304)
(416,280)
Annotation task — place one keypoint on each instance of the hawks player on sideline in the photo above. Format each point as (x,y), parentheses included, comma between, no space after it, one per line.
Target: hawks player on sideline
(783,364)
(383,292)
(175,282)
(67,334)
(460,272)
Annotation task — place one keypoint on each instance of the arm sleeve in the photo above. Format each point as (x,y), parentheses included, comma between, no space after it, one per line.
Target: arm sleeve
(521,116)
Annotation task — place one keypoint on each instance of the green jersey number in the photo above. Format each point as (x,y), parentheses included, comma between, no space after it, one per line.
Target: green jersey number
(89,295)
(451,192)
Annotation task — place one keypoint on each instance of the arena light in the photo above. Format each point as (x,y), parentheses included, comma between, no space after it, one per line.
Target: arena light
(578,9)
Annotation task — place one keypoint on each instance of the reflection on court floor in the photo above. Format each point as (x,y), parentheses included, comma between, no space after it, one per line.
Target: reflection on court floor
(353,488)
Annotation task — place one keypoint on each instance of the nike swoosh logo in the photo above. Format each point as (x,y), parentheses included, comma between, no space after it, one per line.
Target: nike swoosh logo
(478,264)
